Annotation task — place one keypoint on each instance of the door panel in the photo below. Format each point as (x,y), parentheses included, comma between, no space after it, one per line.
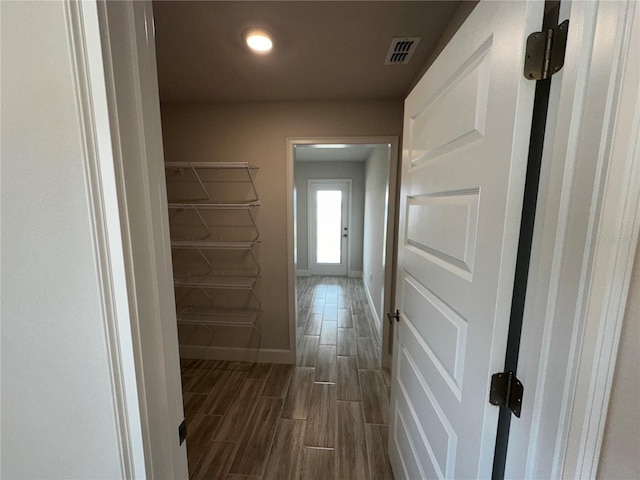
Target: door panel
(324,258)
(442,330)
(329,227)
(424,410)
(467,125)
(442,228)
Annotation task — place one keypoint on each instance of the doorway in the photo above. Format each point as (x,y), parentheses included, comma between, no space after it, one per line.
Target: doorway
(358,175)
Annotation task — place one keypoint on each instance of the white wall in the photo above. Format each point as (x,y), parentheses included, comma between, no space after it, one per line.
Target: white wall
(258,132)
(305,171)
(58,416)
(620,455)
(375,215)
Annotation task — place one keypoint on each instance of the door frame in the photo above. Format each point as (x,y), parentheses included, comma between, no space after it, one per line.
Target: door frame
(142,333)
(84,20)
(392,236)
(346,254)
(583,248)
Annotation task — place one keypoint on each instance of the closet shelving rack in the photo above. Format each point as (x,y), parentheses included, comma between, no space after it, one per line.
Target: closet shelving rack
(197,190)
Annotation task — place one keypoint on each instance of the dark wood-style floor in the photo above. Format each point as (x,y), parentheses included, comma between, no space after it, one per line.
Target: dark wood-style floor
(326,418)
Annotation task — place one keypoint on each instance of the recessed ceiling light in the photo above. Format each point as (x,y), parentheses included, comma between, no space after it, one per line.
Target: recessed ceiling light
(259,41)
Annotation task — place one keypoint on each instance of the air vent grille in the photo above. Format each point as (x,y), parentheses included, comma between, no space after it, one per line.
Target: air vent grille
(401,50)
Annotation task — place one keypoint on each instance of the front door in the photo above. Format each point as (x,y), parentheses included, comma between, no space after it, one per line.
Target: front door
(466,135)
(328,226)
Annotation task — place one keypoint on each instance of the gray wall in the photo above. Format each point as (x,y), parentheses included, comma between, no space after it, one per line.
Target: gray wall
(58,414)
(620,455)
(305,171)
(257,133)
(375,211)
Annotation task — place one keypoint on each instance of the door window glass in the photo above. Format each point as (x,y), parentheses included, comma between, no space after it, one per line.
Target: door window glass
(328,226)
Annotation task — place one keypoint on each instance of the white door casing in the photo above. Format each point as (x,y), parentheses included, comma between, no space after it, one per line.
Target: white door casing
(132,94)
(314,186)
(466,137)
(586,232)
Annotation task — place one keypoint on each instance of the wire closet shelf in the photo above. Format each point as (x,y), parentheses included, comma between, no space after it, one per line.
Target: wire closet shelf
(214,238)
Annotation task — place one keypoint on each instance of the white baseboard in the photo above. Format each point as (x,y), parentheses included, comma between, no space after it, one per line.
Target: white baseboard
(307,273)
(262,355)
(374,313)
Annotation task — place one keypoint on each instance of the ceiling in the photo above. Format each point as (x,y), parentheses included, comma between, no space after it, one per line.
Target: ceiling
(343,153)
(322,50)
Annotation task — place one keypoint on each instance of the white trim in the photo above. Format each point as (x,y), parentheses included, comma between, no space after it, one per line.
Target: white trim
(355,274)
(372,307)
(291,246)
(259,355)
(132,93)
(389,289)
(578,283)
(303,273)
(84,38)
(615,239)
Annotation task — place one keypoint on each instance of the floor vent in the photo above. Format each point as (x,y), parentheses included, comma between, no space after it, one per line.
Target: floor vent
(401,50)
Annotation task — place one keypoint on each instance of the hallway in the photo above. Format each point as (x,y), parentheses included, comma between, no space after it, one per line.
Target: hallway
(326,418)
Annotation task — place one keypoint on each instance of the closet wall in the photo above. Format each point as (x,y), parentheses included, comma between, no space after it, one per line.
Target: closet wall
(257,133)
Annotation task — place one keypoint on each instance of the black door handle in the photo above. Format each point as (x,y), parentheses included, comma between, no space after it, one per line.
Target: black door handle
(394,315)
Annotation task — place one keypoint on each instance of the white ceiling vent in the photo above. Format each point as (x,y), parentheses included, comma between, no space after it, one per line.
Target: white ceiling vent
(401,50)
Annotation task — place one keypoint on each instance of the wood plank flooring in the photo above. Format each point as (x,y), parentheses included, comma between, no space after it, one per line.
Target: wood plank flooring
(325,418)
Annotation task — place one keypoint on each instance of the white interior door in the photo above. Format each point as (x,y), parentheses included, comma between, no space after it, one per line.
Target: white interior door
(466,136)
(329,226)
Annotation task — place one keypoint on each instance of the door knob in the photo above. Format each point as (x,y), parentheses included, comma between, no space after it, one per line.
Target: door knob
(394,316)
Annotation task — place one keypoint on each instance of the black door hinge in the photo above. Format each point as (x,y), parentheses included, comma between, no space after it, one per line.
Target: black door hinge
(545,52)
(182,431)
(506,391)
